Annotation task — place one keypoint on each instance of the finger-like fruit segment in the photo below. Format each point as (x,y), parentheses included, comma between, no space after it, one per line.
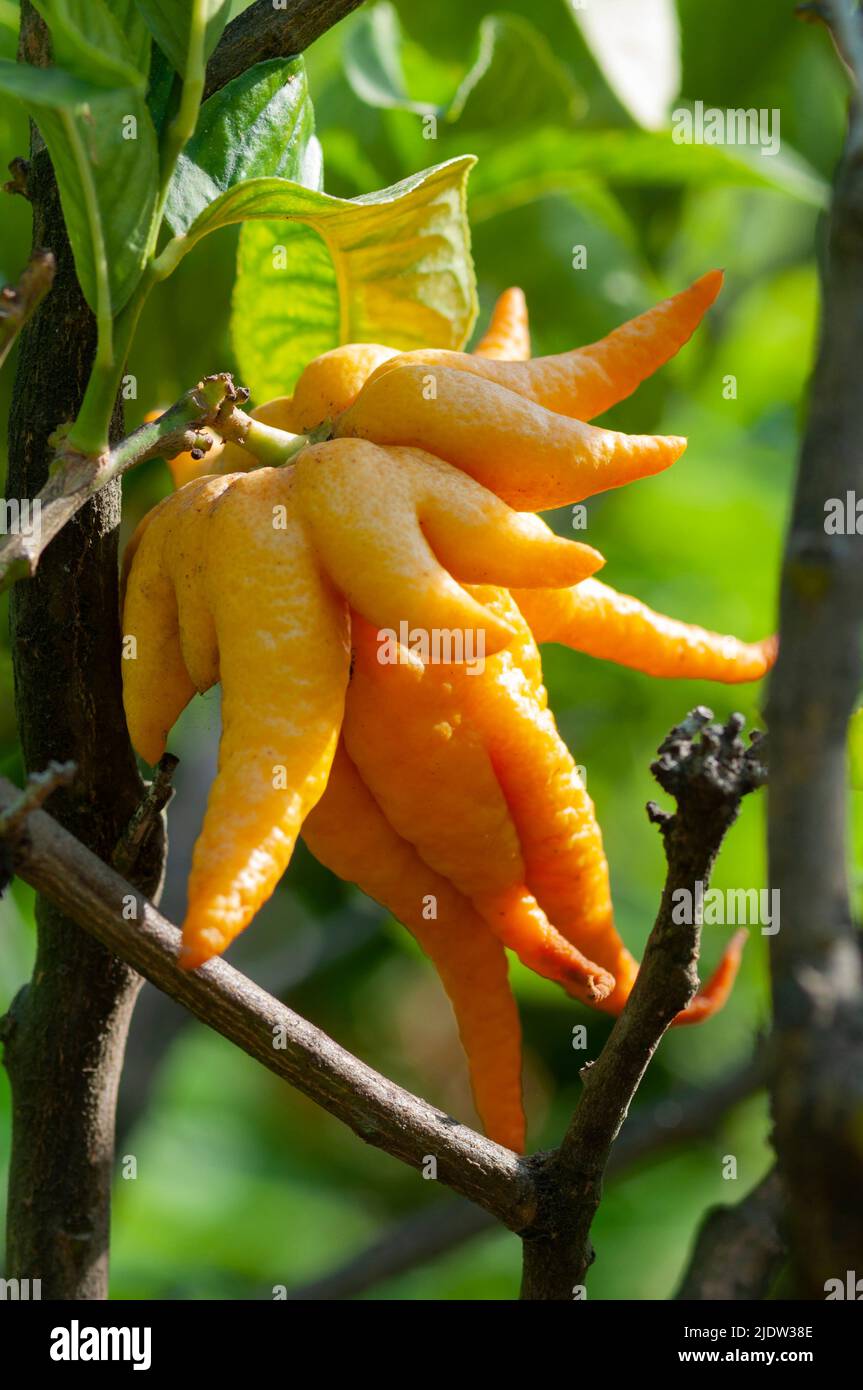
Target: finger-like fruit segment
(715,993)
(481,540)
(349,833)
(593,618)
(586,381)
(283,655)
(382,561)
(331,383)
(532,458)
(156,685)
(439,788)
(157,681)
(521,924)
(507,338)
(564,860)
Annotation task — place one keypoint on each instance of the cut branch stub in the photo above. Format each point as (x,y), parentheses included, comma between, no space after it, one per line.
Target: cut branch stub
(708,769)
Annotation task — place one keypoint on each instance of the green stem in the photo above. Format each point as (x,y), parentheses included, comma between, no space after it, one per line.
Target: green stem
(269,446)
(89,434)
(75,477)
(194,411)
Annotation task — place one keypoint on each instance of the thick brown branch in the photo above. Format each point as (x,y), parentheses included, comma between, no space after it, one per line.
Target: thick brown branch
(376,1109)
(263,32)
(740,1250)
(64,1048)
(708,776)
(815,958)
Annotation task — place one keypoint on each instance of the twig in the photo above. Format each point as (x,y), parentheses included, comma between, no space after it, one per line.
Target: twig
(306,955)
(377,1110)
(39,787)
(815,958)
(708,776)
(19,302)
(20,181)
(423,1236)
(546,1199)
(147,813)
(75,477)
(263,31)
(740,1249)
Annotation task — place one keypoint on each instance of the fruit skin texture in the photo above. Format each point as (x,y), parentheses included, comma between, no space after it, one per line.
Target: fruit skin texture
(531,457)
(507,338)
(244,579)
(485,789)
(328,382)
(495,823)
(245,604)
(596,619)
(587,381)
(428,526)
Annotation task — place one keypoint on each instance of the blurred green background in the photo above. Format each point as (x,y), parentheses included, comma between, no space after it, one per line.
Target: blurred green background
(242,1185)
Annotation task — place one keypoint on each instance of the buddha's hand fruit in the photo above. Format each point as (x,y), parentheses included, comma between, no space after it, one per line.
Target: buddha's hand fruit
(246,578)
(444,783)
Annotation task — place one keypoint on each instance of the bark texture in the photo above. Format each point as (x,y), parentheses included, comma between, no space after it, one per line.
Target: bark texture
(66,1032)
(815,957)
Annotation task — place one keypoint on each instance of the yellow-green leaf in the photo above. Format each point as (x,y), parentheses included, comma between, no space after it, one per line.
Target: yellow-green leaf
(392,266)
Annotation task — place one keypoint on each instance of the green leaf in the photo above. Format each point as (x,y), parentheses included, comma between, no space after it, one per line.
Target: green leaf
(83,127)
(514,78)
(855,750)
(160,90)
(89,43)
(392,266)
(372,61)
(260,125)
(557,161)
(170,23)
(133,25)
(10,16)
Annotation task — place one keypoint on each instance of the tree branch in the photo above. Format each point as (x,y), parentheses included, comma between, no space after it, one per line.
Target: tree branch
(708,778)
(549,1199)
(147,816)
(378,1111)
(67,1031)
(426,1235)
(39,787)
(740,1249)
(263,32)
(75,478)
(18,303)
(815,958)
